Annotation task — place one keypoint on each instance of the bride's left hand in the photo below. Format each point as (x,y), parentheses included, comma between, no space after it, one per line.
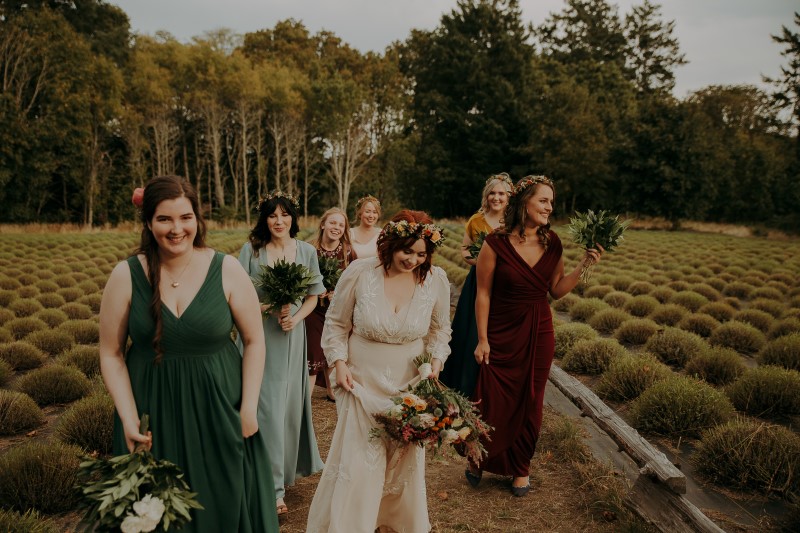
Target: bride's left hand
(436,366)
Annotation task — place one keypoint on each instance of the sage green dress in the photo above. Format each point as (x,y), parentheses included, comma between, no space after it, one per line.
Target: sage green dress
(284,406)
(193,398)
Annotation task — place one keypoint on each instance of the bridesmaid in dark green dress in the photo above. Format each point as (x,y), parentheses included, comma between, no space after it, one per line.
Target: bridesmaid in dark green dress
(182,367)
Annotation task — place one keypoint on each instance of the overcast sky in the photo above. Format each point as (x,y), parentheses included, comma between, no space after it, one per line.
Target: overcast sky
(725,41)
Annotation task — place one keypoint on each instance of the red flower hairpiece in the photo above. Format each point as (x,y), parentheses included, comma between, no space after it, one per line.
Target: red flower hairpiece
(138,197)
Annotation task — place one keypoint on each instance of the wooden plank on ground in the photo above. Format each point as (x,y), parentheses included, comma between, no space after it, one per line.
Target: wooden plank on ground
(652,462)
(667,511)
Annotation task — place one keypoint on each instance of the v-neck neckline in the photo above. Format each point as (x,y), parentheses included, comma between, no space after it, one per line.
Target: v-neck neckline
(191,303)
(394,313)
(519,255)
(296,253)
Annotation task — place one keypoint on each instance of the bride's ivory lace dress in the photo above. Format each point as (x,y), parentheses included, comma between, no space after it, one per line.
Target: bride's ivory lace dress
(367,483)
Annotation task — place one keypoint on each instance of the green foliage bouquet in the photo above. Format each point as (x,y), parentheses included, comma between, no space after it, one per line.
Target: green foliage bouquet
(283,283)
(475,247)
(434,417)
(590,229)
(331,272)
(134,492)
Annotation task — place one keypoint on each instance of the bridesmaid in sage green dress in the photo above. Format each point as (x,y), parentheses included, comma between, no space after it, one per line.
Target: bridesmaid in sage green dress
(285,401)
(182,367)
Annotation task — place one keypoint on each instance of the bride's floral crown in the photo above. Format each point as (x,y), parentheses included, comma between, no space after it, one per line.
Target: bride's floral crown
(527,181)
(405,229)
(504,177)
(279,194)
(368,198)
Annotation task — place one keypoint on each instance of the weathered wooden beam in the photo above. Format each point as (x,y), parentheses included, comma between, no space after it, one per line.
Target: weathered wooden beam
(652,462)
(667,511)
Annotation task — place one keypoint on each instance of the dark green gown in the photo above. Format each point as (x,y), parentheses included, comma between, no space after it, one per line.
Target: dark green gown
(193,400)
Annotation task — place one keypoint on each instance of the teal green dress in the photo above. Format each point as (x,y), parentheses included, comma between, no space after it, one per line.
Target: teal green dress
(193,398)
(284,406)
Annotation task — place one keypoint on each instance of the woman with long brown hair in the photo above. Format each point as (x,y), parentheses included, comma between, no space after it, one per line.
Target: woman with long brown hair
(517,267)
(177,300)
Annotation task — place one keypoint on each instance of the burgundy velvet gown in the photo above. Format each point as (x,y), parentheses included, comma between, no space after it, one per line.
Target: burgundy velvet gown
(522,341)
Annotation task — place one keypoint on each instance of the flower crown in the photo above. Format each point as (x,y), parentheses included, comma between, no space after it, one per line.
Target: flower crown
(138,197)
(279,194)
(504,177)
(527,181)
(368,198)
(405,229)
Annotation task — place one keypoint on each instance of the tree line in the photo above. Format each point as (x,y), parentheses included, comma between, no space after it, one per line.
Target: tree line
(89,111)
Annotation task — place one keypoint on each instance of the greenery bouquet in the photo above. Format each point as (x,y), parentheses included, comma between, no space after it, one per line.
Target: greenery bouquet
(590,229)
(329,268)
(283,283)
(434,417)
(475,247)
(134,492)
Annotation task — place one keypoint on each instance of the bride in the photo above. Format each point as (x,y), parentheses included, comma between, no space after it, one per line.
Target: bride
(397,306)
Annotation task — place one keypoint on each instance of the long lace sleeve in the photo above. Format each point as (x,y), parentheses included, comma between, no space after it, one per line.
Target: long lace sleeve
(437,341)
(339,318)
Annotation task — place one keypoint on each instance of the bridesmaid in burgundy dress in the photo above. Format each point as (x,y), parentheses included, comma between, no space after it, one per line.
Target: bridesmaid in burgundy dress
(333,240)
(520,265)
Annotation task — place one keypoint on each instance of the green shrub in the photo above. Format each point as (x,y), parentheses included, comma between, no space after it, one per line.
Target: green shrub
(699,323)
(39,475)
(77,311)
(621,283)
(617,299)
(768,293)
(93,301)
(27,279)
(5,336)
(717,283)
(46,286)
(667,314)
(636,331)
(84,358)
(64,281)
(767,391)
(783,351)
(22,327)
(89,424)
(51,300)
(738,289)
(6,297)
(689,299)
(6,316)
(83,331)
(22,307)
(9,284)
(22,355)
(51,342)
(746,454)
(754,280)
(5,372)
(675,346)
(733,302)
(742,337)
(678,285)
(592,356)
(565,302)
(775,308)
(662,294)
(70,294)
(758,319)
(27,291)
(706,290)
(642,305)
(586,308)
(597,291)
(54,384)
(784,327)
(18,413)
(640,287)
(628,376)
(608,320)
(568,334)
(680,405)
(88,286)
(29,522)
(717,365)
(51,317)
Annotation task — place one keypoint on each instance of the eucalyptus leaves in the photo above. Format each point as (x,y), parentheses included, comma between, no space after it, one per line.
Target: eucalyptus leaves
(590,229)
(134,492)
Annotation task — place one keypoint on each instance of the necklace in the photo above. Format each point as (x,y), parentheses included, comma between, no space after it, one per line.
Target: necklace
(176,281)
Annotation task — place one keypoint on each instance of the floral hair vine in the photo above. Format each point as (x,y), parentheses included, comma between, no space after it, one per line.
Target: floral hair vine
(527,181)
(138,197)
(504,177)
(279,194)
(368,198)
(405,229)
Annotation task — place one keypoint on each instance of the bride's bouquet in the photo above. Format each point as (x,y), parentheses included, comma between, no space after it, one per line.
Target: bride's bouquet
(590,229)
(331,272)
(134,492)
(283,283)
(433,416)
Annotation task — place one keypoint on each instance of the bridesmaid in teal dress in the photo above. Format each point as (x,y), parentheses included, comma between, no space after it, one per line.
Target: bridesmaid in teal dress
(284,408)
(177,300)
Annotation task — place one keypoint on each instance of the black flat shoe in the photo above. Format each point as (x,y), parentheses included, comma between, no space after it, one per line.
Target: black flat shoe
(472,478)
(519,492)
